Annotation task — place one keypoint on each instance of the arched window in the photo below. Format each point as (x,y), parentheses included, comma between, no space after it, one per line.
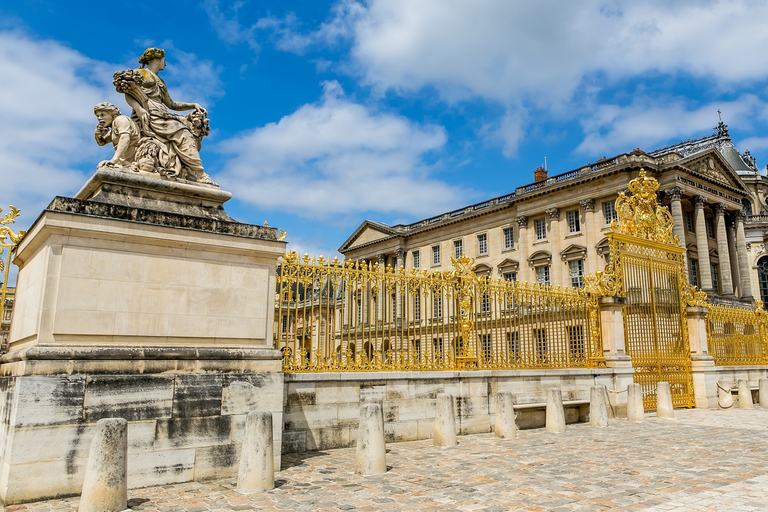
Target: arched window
(762,275)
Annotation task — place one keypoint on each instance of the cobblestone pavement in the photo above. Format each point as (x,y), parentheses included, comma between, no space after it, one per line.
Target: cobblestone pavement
(701,460)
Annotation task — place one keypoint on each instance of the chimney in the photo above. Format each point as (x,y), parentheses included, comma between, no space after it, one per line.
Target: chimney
(539,174)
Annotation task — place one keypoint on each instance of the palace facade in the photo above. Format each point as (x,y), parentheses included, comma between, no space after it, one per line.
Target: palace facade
(553,231)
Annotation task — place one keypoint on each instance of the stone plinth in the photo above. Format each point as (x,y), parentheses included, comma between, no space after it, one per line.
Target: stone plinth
(139,299)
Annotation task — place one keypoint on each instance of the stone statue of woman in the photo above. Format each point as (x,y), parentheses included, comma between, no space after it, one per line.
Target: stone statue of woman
(171,142)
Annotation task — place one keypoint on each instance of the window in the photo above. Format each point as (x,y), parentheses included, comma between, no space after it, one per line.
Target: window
(710,228)
(574,224)
(417,306)
(416,262)
(689,222)
(576,268)
(541,229)
(715,284)
(609,212)
(436,255)
(437,304)
(694,272)
(509,238)
(576,341)
(458,248)
(542,275)
(482,244)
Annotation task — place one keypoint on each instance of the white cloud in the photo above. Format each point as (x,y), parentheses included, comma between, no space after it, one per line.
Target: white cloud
(339,157)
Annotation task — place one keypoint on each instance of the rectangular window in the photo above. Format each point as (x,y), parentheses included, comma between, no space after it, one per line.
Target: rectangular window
(609,212)
(458,248)
(437,305)
(689,222)
(541,229)
(715,284)
(576,268)
(710,228)
(482,244)
(542,275)
(436,255)
(576,341)
(417,306)
(574,224)
(509,238)
(694,272)
(416,261)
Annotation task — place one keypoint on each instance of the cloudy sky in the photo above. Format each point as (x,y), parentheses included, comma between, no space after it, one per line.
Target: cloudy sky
(324,114)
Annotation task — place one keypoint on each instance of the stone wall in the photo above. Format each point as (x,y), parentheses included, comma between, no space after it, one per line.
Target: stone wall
(321,409)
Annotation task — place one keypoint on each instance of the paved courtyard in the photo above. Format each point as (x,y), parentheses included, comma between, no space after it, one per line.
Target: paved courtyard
(701,460)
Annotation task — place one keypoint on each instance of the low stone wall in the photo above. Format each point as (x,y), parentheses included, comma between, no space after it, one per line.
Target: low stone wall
(322,409)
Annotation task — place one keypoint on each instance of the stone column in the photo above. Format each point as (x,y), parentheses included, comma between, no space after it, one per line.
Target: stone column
(556,269)
(741,252)
(702,244)
(676,208)
(722,251)
(522,238)
(589,231)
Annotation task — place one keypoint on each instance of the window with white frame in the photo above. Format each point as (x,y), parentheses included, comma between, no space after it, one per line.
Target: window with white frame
(542,275)
(609,212)
(416,261)
(482,244)
(694,271)
(435,255)
(541,229)
(509,238)
(574,223)
(458,248)
(576,268)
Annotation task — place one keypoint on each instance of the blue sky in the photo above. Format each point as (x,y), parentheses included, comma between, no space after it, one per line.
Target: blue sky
(324,114)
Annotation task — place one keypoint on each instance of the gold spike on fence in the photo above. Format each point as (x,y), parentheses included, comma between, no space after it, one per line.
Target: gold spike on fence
(336,315)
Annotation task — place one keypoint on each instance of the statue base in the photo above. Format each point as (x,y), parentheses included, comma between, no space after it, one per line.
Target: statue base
(139,298)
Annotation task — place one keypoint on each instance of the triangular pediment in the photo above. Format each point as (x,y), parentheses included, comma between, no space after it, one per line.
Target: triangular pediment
(369,231)
(712,166)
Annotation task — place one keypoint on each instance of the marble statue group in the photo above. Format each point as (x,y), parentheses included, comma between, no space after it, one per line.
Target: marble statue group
(153,140)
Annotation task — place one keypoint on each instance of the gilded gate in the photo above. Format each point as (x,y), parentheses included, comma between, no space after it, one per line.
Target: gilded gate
(646,267)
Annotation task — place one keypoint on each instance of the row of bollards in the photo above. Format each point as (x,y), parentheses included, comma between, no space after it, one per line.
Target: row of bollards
(105,482)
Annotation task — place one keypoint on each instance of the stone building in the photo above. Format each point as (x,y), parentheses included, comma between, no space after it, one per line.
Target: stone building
(553,231)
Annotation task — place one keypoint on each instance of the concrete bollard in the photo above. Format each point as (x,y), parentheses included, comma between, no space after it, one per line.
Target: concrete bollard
(724,396)
(555,421)
(257,461)
(371,455)
(635,409)
(762,394)
(105,486)
(505,426)
(598,409)
(664,408)
(745,395)
(445,421)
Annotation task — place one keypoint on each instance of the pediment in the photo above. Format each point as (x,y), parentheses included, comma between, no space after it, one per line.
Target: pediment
(366,233)
(713,166)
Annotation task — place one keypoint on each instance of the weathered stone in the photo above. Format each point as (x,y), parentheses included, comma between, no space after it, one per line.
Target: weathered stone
(745,395)
(105,485)
(598,410)
(635,409)
(555,412)
(445,421)
(505,426)
(371,453)
(664,407)
(724,395)
(257,460)
(197,395)
(762,393)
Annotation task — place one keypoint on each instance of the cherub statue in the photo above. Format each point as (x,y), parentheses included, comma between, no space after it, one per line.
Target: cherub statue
(118,129)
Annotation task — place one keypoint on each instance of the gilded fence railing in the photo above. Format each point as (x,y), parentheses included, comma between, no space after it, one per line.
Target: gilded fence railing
(736,336)
(352,316)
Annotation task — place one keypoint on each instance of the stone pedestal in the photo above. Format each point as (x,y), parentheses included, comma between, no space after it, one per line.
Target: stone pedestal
(139,299)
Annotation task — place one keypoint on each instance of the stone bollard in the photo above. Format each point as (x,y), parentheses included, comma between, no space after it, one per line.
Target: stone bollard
(598,410)
(745,395)
(762,394)
(664,408)
(445,421)
(105,486)
(724,396)
(635,409)
(555,421)
(257,460)
(505,426)
(371,455)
